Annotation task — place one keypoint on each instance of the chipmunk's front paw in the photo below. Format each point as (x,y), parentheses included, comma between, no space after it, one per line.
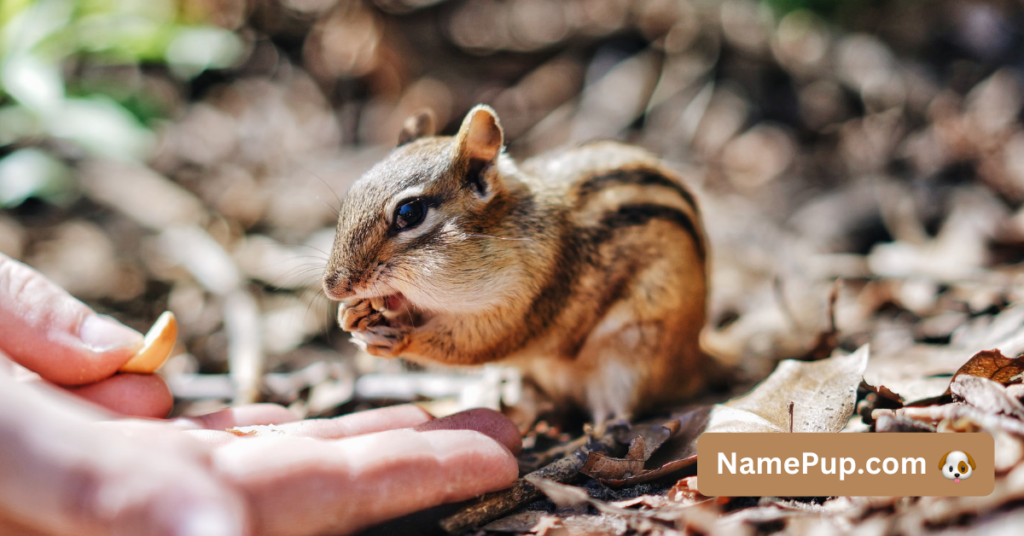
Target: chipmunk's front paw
(382,340)
(358,316)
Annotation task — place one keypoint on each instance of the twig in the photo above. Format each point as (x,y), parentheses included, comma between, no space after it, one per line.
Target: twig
(541,459)
(789,407)
(494,505)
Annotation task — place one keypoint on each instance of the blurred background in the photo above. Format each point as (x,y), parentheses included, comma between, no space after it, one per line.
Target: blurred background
(189,155)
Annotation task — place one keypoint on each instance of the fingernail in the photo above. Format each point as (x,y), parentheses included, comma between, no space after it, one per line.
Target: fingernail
(101,333)
(208,521)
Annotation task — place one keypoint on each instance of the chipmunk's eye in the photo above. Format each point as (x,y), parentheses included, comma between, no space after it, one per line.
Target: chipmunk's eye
(409,214)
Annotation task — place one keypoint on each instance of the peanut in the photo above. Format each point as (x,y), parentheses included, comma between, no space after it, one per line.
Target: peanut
(156,347)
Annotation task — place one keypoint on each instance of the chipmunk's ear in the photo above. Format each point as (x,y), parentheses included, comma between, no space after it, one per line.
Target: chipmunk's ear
(479,143)
(418,125)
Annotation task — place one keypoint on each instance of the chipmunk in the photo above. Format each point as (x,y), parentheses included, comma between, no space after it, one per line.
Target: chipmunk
(585,268)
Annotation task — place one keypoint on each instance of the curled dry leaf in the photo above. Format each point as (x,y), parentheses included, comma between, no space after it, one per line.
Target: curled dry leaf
(884,392)
(156,347)
(601,466)
(670,447)
(986,395)
(653,434)
(653,474)
(685,491)
(992,364)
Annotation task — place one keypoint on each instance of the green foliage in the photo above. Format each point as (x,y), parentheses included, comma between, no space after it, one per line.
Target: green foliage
(42,41)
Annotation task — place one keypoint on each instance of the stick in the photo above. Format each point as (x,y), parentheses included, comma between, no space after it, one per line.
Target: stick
(494,505)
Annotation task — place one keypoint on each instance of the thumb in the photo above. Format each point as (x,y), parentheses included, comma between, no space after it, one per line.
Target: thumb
(45,329)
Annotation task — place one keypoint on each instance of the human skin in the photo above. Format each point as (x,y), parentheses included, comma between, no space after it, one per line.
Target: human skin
(68,465)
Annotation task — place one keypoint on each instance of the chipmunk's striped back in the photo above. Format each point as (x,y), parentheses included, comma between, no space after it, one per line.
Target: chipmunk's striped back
(634,260)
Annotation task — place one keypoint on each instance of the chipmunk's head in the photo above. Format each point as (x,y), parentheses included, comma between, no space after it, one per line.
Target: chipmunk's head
(405,229)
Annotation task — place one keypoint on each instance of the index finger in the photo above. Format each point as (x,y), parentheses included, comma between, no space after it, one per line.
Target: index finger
(48,331)
(301,487)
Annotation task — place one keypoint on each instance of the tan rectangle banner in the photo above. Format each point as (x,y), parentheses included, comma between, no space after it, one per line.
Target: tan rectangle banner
(821,465)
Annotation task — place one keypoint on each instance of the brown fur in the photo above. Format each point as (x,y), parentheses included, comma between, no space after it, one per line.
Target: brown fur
(586,268)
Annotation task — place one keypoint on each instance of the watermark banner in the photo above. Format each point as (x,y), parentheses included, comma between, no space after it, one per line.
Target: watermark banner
(820,465)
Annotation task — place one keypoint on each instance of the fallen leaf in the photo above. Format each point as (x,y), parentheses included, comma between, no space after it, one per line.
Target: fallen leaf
(650,501)
(654,474)
(601,466)
(548,524)
(892,423)
(823,394)
(591,525)
(685,491)
(920,372)
(564,496)
(654,435)
(884,392)
(1009,451)
(962,415)
(992,364)
(676,452)
(986,395)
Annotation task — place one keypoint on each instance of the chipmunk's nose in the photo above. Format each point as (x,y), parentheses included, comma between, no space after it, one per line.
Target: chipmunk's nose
(338,286)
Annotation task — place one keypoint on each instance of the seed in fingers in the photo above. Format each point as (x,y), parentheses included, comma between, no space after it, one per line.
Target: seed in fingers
(156,347)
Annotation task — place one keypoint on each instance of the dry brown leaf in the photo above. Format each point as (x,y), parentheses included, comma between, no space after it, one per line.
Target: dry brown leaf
(647,476)
(679,450)
(884,392)
(602,466)
(562,495)
(654,435)
(823,394)
(992,364)
(685,491)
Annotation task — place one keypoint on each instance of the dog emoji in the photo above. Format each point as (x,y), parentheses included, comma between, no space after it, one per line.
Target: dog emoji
(956,465)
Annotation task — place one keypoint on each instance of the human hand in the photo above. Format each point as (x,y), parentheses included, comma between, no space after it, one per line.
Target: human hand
(46,330)
(64,471)
(61,472)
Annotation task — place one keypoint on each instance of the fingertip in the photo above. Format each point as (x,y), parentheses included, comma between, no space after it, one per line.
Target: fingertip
(103,334)
(134,395)
(486,421)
